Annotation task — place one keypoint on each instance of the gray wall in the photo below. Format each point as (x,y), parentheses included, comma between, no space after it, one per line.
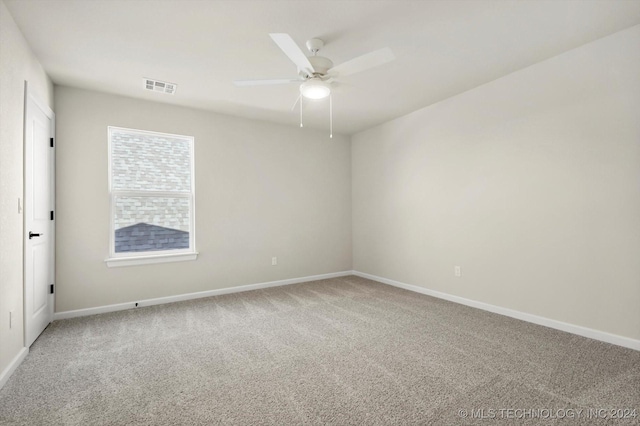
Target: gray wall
(530,183)
(262,190)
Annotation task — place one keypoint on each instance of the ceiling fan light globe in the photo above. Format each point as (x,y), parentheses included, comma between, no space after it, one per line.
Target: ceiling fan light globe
(315,89)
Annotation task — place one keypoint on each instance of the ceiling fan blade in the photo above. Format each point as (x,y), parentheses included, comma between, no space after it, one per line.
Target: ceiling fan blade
(293,52)
(265,82)
(364,62)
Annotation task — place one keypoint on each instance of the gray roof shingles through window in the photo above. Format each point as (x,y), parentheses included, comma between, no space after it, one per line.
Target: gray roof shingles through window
(145,237)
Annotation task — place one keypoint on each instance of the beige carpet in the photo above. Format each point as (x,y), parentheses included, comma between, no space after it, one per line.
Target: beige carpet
(340,351)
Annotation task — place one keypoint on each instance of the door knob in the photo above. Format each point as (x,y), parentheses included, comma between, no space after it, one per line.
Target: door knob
(31,235)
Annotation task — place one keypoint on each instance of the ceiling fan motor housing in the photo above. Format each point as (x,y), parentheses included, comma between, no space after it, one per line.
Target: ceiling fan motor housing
(320,64)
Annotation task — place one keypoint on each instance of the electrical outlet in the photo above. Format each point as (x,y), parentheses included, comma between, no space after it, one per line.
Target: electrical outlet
(274,261)
(457,271)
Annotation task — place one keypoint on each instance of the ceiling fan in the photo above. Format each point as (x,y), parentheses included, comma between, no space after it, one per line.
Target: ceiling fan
(316,73)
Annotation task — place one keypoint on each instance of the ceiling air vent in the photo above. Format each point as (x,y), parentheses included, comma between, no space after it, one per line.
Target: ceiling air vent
(160,86)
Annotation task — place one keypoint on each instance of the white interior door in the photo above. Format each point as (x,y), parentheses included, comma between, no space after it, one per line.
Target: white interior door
(39,189)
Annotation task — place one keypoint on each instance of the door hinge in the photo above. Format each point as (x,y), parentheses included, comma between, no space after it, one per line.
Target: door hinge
(51,289)
(51,214)
(51,142)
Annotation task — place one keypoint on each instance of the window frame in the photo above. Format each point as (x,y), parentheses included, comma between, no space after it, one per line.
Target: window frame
(155,256)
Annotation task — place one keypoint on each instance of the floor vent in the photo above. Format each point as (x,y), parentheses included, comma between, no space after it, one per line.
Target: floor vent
(160,86)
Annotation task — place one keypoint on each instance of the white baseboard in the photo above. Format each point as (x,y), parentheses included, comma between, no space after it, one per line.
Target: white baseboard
(535,319)
(190,296)
(558,325)
(17,360)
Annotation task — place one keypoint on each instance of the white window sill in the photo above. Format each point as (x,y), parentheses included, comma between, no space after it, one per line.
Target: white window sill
(149,259)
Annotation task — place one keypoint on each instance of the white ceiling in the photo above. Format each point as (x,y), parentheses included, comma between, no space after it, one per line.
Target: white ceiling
(442,47)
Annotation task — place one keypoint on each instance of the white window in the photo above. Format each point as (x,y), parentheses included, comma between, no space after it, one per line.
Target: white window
(152,194)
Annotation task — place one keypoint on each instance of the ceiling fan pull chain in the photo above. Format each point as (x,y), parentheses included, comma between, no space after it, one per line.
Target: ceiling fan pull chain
(301,100)
(330,117)
(295,104)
